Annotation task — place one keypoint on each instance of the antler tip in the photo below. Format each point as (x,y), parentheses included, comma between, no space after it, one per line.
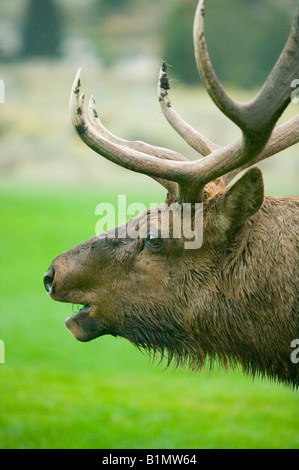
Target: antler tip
(164,67)
(92,108)
(163,81)
(76,100)
(201,7)
(77,82)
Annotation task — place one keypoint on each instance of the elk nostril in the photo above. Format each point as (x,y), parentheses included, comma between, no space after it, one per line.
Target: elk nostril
(48,279)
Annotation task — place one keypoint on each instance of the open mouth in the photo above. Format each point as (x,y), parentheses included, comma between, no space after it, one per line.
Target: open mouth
(82,326)
(80,307)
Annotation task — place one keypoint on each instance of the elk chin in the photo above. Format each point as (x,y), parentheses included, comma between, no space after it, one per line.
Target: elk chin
(84,327)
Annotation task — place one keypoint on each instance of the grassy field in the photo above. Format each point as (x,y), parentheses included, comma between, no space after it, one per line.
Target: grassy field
(59,393)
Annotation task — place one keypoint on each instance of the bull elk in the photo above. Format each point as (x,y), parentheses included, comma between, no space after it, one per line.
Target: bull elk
(232,301)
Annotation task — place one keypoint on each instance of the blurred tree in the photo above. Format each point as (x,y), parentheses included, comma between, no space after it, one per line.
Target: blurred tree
(42,29)
(106,7)
(177,41)
(244,38)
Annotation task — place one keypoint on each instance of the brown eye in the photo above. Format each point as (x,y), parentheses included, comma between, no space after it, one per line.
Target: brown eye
(153,242)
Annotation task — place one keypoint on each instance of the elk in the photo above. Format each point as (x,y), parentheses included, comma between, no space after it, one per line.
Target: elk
(234,300)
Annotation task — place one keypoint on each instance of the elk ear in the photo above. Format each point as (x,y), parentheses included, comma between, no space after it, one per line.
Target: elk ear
(243,199)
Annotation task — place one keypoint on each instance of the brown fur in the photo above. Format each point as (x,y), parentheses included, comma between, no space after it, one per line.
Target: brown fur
(233,301)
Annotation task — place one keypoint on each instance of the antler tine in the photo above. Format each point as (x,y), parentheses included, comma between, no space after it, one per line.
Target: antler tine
(283,136)
(261,113)
(158,152)
(197,141)
(256,118)
(170,170)
(153,150)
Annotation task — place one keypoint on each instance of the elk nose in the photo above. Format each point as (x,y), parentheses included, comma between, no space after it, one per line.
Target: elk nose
(48,279)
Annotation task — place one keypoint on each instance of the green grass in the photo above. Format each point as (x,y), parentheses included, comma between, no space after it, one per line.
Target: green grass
(58,393)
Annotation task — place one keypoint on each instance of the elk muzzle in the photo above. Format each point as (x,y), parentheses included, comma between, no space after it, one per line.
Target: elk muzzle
(60,283)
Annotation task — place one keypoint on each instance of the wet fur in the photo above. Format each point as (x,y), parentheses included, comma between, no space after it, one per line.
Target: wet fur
(244,311)
(233,301)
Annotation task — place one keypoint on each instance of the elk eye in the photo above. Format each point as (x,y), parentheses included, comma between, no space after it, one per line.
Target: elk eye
(154,242)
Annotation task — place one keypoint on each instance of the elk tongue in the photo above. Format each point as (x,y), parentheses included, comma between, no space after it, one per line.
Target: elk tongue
(82,326)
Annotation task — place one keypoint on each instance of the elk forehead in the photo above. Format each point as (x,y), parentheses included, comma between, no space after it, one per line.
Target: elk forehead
(169,220)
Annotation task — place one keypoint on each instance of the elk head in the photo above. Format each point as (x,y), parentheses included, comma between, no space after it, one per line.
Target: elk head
(225,299)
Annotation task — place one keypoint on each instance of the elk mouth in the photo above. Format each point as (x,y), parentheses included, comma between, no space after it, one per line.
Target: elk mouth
(82,326)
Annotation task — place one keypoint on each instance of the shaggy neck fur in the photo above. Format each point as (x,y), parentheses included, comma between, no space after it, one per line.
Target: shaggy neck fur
(234,319)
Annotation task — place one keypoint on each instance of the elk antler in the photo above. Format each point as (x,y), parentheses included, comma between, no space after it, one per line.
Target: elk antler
(282,137)
(256,119)
(197,141)
(117,150)
(135,145)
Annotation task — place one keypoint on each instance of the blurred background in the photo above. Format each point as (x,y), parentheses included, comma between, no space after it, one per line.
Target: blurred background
(54,391)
